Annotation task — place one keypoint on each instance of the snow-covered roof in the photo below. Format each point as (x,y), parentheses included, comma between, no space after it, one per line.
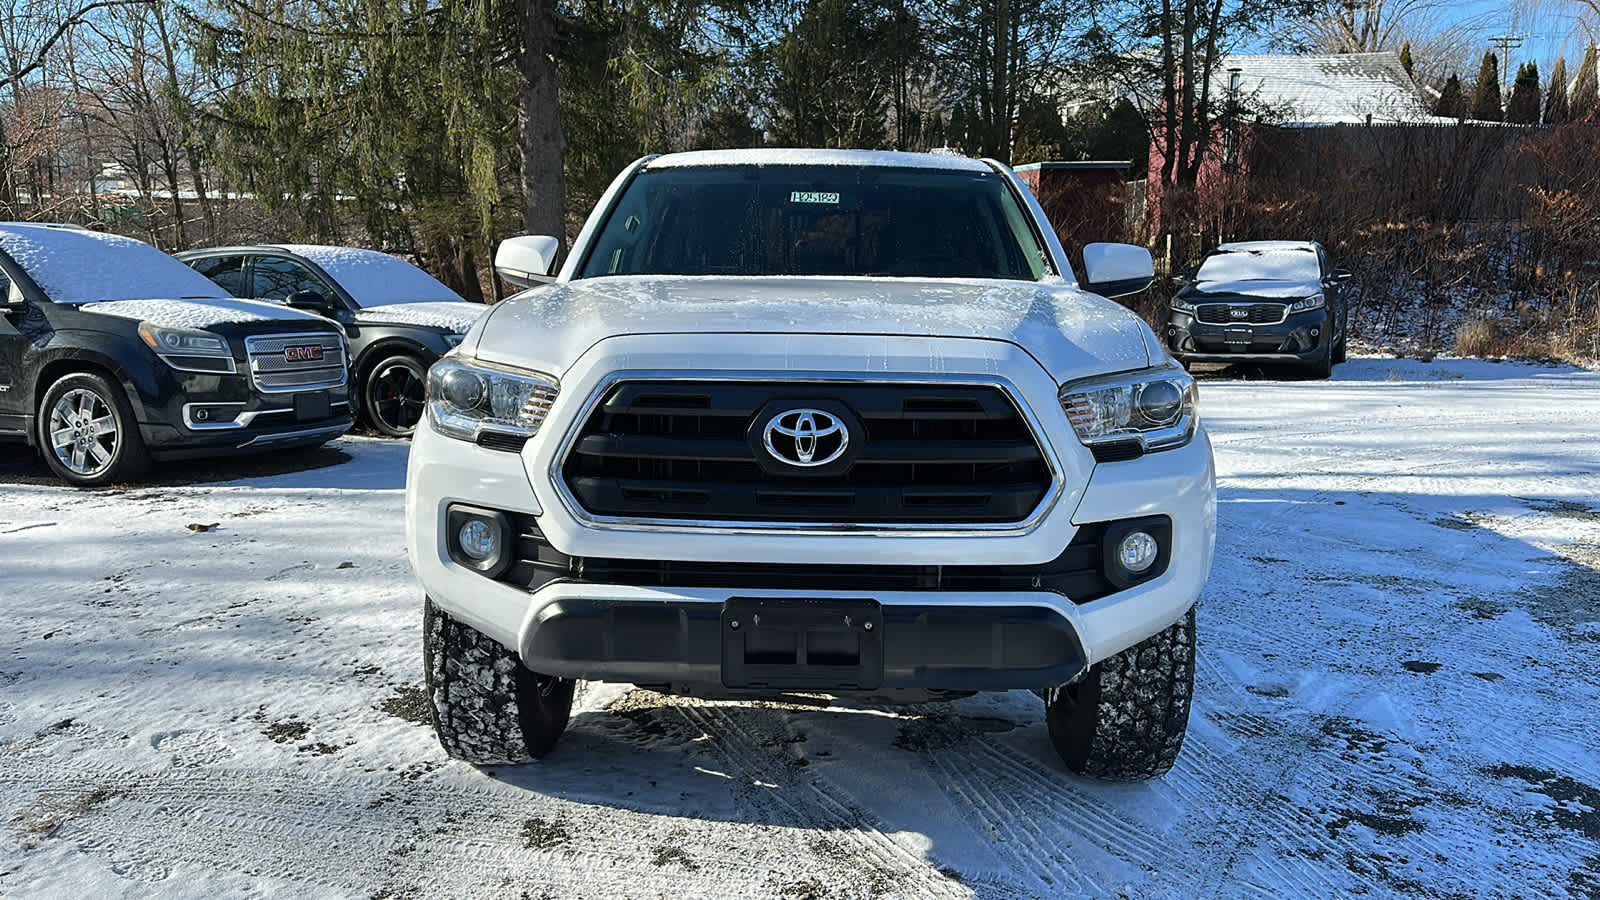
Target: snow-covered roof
(796,157)
(1266,246)
(75,265)
(373,278)
(1332,89)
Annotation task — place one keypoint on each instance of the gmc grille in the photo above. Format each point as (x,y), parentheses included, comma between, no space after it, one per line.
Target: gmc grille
(274,371)
(1255,313)
(929,454)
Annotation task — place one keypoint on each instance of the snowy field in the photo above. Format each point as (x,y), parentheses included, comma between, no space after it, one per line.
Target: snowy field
(1399,694)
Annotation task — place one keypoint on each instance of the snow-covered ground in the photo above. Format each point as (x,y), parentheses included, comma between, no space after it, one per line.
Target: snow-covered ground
(1398,694)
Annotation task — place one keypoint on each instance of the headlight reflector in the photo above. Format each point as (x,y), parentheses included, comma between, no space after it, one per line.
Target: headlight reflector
(468,399)
(1154,406)
(189,349)
(1315,301)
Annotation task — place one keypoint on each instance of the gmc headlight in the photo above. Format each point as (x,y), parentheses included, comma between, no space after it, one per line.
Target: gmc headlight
(188,349)
(1154,406)
(1315,301)
(466,400)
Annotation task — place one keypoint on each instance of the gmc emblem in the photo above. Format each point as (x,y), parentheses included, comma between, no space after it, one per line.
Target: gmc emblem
(303,353)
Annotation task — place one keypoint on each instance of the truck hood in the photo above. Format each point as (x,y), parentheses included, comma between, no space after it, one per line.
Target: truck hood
(1071,333)
(199,312)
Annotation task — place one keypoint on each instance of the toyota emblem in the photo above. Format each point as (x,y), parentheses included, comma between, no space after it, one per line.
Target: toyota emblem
(805,437)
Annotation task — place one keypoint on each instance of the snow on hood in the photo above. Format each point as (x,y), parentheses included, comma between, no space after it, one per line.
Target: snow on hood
(1282,290)
(455,316)
(1071,333)
(198,313)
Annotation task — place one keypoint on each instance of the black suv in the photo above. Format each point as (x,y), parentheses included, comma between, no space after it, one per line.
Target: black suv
(398,318)
(1270,302)
(113,353)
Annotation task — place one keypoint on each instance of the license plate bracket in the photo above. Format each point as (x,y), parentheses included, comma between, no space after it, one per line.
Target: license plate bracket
(788,643)
(1236,336)
(311,406)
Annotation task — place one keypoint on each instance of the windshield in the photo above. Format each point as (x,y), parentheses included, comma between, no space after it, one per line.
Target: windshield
(816,220)
(75,266)
(1260,265)
(376,279)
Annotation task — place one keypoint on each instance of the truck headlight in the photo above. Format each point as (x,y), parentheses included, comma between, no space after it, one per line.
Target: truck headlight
(1155,407)
(1315,301)
(188,349)
(467,400)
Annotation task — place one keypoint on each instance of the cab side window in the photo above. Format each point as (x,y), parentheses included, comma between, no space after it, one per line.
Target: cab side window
(226,271)
(276,278)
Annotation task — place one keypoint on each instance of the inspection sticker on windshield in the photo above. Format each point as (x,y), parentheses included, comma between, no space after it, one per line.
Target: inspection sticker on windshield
(830,199)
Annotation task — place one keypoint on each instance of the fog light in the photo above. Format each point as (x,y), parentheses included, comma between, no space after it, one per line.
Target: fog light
(1137,552)
(478,539)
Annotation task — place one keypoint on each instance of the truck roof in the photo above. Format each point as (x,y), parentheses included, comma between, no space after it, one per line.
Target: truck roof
(796,157)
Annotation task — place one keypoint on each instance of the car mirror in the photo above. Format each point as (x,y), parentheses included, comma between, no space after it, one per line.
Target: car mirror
(1117,270)
(311,301)
(1340,276)
(1179,279)
(528,260)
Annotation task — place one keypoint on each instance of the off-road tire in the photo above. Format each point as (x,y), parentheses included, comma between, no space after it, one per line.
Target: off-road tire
(488,709)
(129,459)
(1126,719)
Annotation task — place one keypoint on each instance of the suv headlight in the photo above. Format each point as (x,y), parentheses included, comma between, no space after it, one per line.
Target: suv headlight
(1156,407)
(466,400)
(189,350)
(1315,301)
(1185,304)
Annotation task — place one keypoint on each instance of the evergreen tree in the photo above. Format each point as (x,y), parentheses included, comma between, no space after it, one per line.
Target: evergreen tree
(1523,107)
(1405,59)
(1556,108)
(1586,94)
(828,80)
(1486,97)
(1452,103)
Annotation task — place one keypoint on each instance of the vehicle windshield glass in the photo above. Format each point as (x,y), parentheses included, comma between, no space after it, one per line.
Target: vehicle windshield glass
(1260,265)
(72,265)
(376,279)
(817,220)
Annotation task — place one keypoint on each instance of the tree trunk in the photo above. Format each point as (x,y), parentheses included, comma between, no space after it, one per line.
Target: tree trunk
(181,113)
(543,145)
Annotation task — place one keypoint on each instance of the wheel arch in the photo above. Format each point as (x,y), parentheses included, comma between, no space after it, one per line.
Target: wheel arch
(77,361)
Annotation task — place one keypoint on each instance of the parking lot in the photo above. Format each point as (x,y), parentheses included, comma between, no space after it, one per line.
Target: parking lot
(211,683)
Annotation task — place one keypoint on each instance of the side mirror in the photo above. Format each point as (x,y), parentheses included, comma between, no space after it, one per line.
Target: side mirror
(1179,279)
(527,261)
(1117,270)
(310,301)
(1340,276)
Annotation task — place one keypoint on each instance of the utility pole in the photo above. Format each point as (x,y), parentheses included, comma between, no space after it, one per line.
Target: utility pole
(1506,43)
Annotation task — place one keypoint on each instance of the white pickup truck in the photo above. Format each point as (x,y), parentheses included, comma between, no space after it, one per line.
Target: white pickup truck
(814,421)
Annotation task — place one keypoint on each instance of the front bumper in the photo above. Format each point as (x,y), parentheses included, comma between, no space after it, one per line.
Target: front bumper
(1301,337)
(212,415)
(966,639)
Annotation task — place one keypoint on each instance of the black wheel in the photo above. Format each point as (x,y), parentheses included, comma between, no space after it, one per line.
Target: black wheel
(87,432)
(394,394)
(1125,721)
(488,709)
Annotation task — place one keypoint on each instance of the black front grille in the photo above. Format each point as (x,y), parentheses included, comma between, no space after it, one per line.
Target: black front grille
(1076,574)
(927,454)
(1255,314)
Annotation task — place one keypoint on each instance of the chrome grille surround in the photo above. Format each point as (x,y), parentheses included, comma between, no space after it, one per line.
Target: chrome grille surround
(273,374)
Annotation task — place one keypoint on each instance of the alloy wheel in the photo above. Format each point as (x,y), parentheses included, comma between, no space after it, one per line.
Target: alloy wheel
(84,434)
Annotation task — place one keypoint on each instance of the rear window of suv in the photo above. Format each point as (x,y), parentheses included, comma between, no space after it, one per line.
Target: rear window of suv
(817,220)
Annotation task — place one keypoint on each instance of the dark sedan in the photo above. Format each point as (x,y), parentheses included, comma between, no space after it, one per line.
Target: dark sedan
(399,319)
(1272,302)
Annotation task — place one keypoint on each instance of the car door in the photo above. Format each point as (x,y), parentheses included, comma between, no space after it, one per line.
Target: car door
(13,309)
